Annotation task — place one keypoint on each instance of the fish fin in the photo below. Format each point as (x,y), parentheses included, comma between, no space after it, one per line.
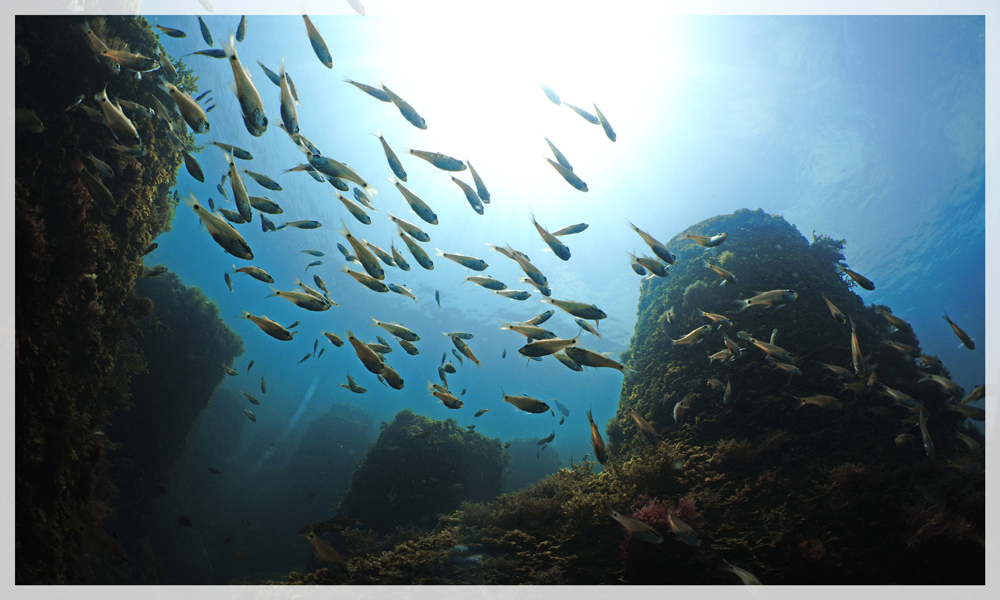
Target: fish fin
(229,47)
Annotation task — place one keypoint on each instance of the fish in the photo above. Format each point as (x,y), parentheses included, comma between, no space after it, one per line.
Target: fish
(514,294)
(539,318)
(229,282)
(839,316)
(526,403)
(193,115)
(334,339)
(560,158)
(903,439)
(469,262)
(324,551)
(293,325)
(362,199)
(532,332)
(924,433)
(408,112)
(266,205)
(481,412)
(723,356)
(608,131)
(232,216)
(264,180)
(571,229)
(366,280)
(120,125)
(458,356)
(470,195)
(644,427)
(205,33)
(210,52)
(417,205)
(728,394)
(464,349)
(318,45)
(504,355)
(681,407)
(571,178)
(589,358)
(706,241)
(589,312)
(275,79)
(787,368)
(402,291)
(339,170)
(971,443)
(251,106)
(486,282)
(390,156)
(382,255)
(682,530)
(768,299)
(265,223)
(250,415)
(411,229)
(860,367)
(131,61)
(366,355)
(636,528)
(902,348)
(720,319)
(147,272)
(229,371)
(314,263)
(174,33)
(820,401)
(223,234)
(449,368)
(551,95)
(510,253)
(270,327)
(289,117)
(978,393)
(658,248)
(946,384)
(586,115)
(858,279)
(970,412)
(251,398)
(351,385)
(397,330)
(409,348)
(745,576)
(566,360)
(644,262)
(306,301)
(600,451)
(966,340)
(558,248)
(726,276)
(773,351)
(372,91)
(695,336)
(392,377)
(546,440)
(418,253)
(895,321)
(365,256)
(193,167)
(441,161)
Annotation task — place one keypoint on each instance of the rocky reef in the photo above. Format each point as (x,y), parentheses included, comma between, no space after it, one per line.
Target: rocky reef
(793,494)
(76,314)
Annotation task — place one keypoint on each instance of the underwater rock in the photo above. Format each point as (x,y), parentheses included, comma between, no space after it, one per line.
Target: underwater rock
(405,479)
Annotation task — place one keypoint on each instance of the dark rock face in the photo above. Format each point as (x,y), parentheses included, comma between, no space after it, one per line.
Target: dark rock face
(405,479)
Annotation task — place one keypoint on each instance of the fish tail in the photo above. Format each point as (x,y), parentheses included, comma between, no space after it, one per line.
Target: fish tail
(229,46)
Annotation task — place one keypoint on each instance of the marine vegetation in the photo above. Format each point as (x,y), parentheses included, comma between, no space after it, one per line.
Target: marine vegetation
(77,256)
(789,493)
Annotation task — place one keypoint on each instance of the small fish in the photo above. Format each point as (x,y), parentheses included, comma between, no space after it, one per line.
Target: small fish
(405,109)
(224,235)
(966,340)
(289,117)
(820,401)
(103,168)
(904,439)
(441,161)
(469,262)
(205,33)
(970,412)
(771,298)
(644,427)
(745,576)
(372,91)
(455,353)
(481,412)
(658,249)
(858,279)
(301,224)
(547,439)
(241,29)
(304,358)
(293,325)
(694,336)
(569,362)
(147,272)
(174,33)
(265,223)
(978,393)
(600,451)
(504,355)
(608,131)
(270,327)
(726,276)
(192,113)
(314,263)
(526,403)
(551,95)
(571,178)
(229,371)
(839,316)
(481,191)
(706,241)
(229,282)
(264,180)
(334,339)
(470,195)
(318,45)
(263,386)
(589,358)
(249,366)
(571,229)
(644,262)
(250,415)
(682,530)
(210,52)
(352,386)
(895,321)
(251,106)
(252,399)
(946,384)
(409,348)
(558,248)
(586,115)
(390,156)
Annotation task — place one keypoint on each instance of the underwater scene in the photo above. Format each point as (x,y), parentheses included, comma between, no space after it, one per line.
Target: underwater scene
(403,296)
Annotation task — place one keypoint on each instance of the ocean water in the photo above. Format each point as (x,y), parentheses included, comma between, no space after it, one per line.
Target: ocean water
(870,129)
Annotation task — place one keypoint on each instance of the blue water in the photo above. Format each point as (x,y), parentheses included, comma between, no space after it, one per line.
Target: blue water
(870,129)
